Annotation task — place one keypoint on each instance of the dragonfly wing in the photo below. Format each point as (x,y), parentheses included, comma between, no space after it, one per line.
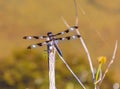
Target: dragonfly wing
(67,30)
(36,45)
(68,38)
(34,37)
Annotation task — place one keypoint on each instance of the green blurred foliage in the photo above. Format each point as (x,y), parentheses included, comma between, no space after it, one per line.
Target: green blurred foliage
(29,69)
(26,69)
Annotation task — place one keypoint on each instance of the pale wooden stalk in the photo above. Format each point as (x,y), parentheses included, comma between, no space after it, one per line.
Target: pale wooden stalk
(85,48)
(82,41)
(51,60)
(71,71)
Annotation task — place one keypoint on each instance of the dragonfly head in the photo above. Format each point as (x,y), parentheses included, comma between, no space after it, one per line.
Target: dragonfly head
(49,34)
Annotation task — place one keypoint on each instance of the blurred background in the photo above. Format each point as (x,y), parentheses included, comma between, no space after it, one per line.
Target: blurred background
(27,69)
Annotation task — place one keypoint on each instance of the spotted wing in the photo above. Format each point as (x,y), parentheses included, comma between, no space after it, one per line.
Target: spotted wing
(34,37)
(68,37)
(38,44)
(67,30)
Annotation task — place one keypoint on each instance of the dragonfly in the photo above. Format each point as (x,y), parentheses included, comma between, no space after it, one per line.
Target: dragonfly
(52,40)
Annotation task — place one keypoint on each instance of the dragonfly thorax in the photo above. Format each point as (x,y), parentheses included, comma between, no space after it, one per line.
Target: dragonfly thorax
(50,36)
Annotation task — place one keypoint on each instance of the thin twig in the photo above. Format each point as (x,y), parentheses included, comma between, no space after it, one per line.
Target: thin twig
(84,46)
(81,39)
(71,70)
(110,63)
(83,43)
(76,13)
(93,26)
(89,58)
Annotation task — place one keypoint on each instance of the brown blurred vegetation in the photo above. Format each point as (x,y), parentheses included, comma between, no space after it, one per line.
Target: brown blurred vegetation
(21,69)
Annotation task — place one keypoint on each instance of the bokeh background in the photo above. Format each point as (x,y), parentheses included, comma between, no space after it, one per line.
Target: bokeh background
(23,69)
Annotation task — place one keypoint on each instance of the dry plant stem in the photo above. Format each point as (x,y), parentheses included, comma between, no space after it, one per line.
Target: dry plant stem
(71,71)
(110,63)
(85,48)
(51,59)
(82,11)
(93,26)
(82,41)
(88,54)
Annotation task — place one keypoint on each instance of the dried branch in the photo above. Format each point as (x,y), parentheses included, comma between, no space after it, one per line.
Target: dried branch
(71,70)
(81,39)
(85,48)
(110,63)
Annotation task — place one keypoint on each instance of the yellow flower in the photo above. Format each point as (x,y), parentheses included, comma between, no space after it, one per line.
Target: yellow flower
(102,59)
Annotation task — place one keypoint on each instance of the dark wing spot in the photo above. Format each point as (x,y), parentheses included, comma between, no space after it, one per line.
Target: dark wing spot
(36,37)
(78,36)
(57,34)
(40,44)
(25,37)
(58,38)
(29,47)
(68,38)
(44,36)
(67,31)
(75,27)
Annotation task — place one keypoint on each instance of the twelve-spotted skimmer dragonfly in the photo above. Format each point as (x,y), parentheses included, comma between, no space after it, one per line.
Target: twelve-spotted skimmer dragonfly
(51,40)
